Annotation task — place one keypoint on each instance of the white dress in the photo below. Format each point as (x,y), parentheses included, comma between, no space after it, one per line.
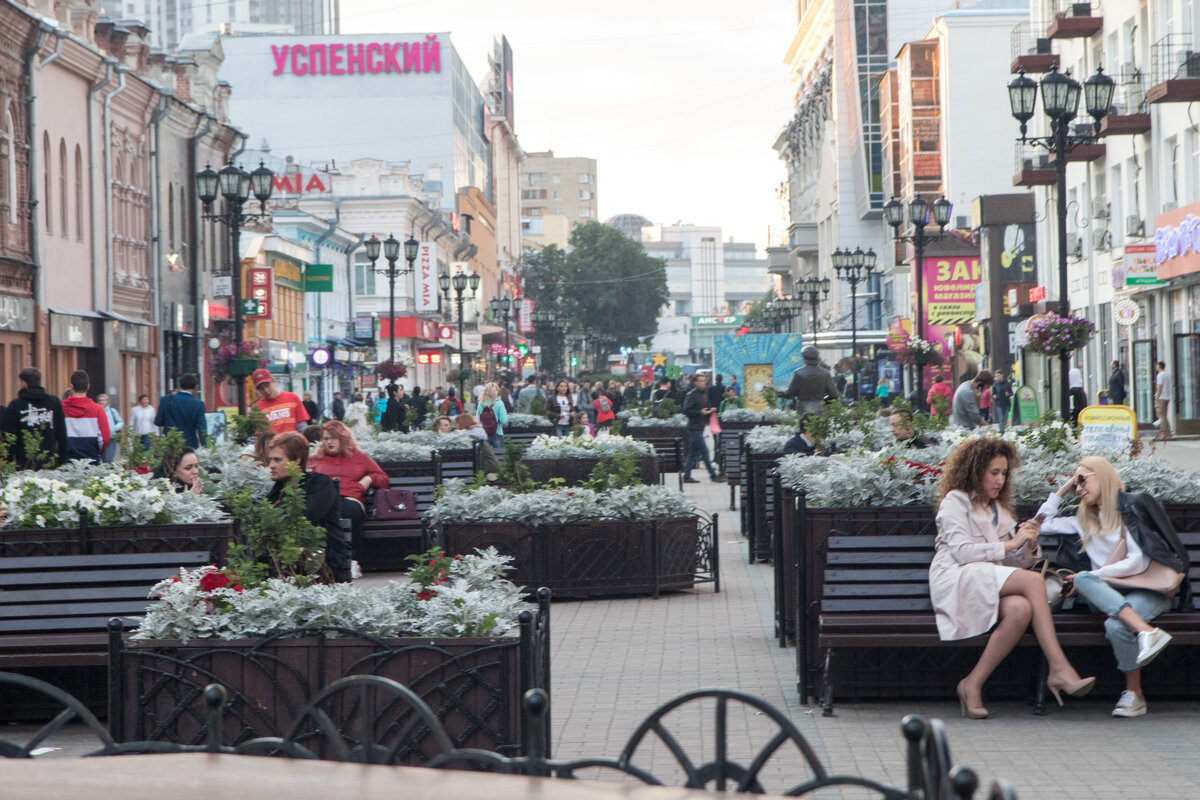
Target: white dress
(969,565)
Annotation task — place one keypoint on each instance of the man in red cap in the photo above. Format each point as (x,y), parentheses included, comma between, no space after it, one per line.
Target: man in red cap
(284,410)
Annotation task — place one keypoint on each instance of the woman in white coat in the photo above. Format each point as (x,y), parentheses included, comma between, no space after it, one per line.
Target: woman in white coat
(977,578)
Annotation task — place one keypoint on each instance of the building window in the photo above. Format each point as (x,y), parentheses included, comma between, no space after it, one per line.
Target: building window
(46,181)
(537,177)
(557,195)
(62,188)
(585,178)
(78,194)
(7,146)
(171,217)
(556,178)
(585,212)
(584,194)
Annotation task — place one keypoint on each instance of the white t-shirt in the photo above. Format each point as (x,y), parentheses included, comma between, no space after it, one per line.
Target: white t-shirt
(1163,385)
(1075,378)
(564,409)
(141,418)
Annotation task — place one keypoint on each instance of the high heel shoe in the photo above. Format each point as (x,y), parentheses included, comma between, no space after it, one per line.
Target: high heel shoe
(1077,688)
(969,711)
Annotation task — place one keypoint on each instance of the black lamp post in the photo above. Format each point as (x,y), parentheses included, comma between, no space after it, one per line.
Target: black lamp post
(918,218)
(854,268)
(1060,102)
(235,185)
(813,291)
(459,282)
(500,310)
(391,252)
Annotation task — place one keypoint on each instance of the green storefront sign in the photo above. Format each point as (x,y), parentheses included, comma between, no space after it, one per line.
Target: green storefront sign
(318,278)
(1027,404)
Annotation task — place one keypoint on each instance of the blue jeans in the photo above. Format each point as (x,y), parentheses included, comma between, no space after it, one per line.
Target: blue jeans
(1001,415)
(697,449)
(561,430)
(496,440)
(1109,600)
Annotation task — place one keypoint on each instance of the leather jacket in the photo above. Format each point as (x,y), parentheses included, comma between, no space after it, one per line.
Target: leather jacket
(1148,524)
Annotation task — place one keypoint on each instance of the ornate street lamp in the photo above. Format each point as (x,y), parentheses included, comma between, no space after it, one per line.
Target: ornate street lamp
(1060,102)
(854,268)
(235,186)
(391,252)
(460,283)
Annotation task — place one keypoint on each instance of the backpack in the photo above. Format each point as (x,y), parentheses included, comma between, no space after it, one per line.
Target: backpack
(450,407)
(487,418)
(605,404)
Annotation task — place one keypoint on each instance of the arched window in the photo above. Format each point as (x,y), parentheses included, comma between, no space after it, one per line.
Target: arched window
(46,154)
(78,194)
(62,188)
(8,146)
(170,218)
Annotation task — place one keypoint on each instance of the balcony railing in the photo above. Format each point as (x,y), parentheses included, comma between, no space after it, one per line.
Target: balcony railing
(1174,70)
(1030,49)
(1032,167)
(1074,20)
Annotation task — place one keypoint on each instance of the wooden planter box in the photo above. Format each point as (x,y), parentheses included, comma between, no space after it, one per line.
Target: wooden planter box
(595,558)
(758,509)
(656,432)
(576,471)
(214,537)
(473,685)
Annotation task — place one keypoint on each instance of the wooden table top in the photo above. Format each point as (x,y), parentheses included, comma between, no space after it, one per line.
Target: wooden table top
(201,776)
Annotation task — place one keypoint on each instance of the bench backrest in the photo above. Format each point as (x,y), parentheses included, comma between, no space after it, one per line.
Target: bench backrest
(455,463)
(669,450)
(729,443)
(891,573)
(63,594)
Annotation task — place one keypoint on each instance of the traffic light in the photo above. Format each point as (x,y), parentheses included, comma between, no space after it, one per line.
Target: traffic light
(574,361)
(524,349)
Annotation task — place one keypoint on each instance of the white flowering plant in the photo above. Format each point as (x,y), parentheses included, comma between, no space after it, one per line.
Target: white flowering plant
(516,420)
(469,596)
(603,445)
(412,446)
(768,416)
(634,420)
(459,503)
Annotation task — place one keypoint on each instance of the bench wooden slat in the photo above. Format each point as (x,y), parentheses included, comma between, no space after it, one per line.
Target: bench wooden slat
(58,593)
(886,558)
(66,624)
(54,610)
(56,563)
(870,590)
(899,541)
(875,604)
(149,575)
(851,575)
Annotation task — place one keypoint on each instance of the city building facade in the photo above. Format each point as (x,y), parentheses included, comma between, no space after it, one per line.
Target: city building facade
(555,186)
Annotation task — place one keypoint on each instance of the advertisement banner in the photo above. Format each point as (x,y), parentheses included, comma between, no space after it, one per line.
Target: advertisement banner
(1141,268)
(525,317)
(949,307)
(318,278)
(426,277)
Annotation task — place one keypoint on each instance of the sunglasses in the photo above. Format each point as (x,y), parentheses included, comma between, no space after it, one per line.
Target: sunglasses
(1081,479)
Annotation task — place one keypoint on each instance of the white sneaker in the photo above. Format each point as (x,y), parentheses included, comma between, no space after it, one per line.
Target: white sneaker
(355,571)
(1130,705)
(1150,644)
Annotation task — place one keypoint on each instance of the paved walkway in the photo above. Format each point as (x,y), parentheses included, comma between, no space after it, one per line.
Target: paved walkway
(614,660)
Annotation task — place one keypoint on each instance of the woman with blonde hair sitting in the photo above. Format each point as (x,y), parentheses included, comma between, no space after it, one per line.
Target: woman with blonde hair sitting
(1132,564)
(978,581)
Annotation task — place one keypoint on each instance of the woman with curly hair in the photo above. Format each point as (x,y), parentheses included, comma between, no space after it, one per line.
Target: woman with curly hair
(977,580)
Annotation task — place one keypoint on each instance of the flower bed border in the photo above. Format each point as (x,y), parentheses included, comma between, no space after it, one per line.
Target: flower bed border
(576,471)
(598,557)
(89,539)
(474,685)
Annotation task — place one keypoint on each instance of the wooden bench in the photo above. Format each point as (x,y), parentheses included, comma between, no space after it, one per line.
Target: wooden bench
(758,502)
(876,595)
(729,449)
(387,542)
(671,455)
(54,609)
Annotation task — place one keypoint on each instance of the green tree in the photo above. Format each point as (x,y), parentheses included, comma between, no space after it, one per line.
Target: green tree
(606,284)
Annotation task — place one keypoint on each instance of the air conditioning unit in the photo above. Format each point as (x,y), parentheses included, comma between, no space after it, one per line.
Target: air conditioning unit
(1169,205)
(1042,47)
(1074,246)
(1100,207)
(1100,241)
(962,223)
(1081,9)
(1191,65)
(1130,73)
(1135,227)
(1084,129)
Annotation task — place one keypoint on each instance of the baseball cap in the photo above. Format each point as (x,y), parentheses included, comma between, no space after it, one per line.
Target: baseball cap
(261,376)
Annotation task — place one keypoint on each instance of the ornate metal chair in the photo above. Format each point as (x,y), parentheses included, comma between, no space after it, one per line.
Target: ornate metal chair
(363,719)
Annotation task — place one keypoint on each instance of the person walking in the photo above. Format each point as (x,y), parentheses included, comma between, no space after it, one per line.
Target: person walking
(141,420)
(1116,385)
(339,408)
(1078,396)
(184,412)
(357,415)
(490,399)
(115,424)
(283,410)
(1162,401)
(1002,393)
(396,413)
(87,423)
(40,414)
(698,410)
(314,411)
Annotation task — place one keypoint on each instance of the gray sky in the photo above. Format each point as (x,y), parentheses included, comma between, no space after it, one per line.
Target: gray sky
(679,101)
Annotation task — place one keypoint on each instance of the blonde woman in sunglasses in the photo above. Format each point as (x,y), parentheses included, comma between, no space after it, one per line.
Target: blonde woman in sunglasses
(1131,564)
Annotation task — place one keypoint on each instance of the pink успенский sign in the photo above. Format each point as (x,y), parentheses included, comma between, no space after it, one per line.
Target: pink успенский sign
(372,58)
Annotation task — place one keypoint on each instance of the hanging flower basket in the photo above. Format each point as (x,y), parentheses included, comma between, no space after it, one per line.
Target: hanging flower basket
(236,360)
(1051,334)
(919,353)
(391,370)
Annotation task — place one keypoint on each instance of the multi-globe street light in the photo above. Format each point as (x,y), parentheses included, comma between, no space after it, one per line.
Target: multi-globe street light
(1060,102)
(500,309)
(459,282)
(235,185)
(918,217)
(812,291)
(391,252)
(854,267)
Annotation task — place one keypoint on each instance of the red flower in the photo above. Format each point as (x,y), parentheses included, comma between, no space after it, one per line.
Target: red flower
(427,594)
(213,581)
